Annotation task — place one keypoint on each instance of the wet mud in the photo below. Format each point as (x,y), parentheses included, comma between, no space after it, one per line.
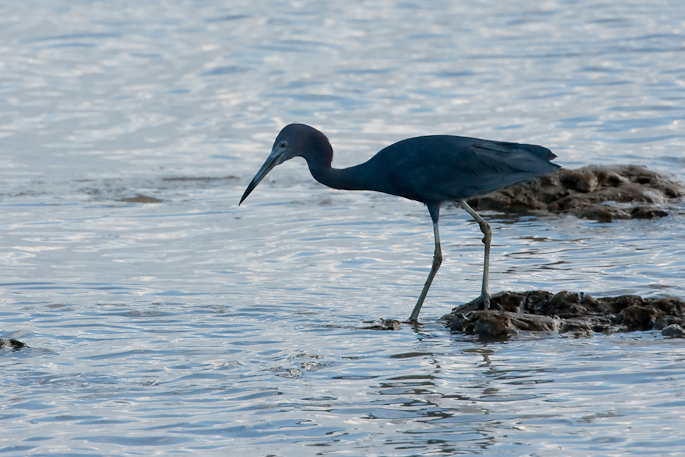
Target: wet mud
(567,312)
(601,193)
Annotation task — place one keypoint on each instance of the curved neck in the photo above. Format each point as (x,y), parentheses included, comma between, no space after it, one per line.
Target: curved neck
(359,177)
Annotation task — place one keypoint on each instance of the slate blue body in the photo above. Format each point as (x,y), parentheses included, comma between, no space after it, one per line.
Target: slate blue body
(443,167)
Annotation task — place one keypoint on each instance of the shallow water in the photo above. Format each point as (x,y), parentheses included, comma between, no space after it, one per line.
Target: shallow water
(192,325)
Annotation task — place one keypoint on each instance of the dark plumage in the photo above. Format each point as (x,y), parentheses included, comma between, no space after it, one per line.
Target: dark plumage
(428,169)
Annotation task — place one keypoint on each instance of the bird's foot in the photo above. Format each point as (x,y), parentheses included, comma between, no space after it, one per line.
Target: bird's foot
(483,302)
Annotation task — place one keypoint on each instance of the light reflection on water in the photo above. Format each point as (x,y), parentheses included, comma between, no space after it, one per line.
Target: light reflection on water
(193,325)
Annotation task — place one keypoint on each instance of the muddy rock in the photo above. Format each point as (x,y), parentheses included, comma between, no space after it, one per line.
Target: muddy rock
(567,312)
(501,323)
(599,193)
(674,331)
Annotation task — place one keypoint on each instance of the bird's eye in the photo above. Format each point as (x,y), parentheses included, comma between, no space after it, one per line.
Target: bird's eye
(283,144)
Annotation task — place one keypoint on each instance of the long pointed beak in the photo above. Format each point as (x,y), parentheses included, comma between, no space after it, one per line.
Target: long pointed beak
(270,163)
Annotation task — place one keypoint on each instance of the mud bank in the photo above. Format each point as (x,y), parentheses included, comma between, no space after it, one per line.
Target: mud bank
(599,193)
(568,312)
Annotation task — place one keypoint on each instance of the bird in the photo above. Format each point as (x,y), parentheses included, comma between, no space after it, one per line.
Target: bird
(428,169)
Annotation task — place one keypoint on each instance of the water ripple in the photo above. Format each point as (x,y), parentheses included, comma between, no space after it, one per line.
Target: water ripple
(162,318)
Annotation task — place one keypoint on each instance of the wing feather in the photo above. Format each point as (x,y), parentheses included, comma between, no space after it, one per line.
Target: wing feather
(439,168)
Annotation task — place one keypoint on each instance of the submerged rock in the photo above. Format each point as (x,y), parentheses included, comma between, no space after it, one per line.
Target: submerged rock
(141,199)
(12,343)
(564,312)
(385,324)
(600,193)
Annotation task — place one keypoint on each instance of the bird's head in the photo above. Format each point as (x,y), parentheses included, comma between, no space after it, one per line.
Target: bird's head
(295,140)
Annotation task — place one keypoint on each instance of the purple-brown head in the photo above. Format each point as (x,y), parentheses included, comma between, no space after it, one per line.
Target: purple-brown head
(293,141)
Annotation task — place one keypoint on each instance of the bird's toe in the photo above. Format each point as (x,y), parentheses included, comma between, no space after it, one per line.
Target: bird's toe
(483,302)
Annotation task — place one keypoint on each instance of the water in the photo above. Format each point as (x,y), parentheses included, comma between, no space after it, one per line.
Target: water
(194,326)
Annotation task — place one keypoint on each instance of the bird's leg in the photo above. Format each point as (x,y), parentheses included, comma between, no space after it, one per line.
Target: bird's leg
(484,299)
(437,260)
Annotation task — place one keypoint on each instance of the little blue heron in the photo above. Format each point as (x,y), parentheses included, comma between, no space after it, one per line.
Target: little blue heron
(428,169)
